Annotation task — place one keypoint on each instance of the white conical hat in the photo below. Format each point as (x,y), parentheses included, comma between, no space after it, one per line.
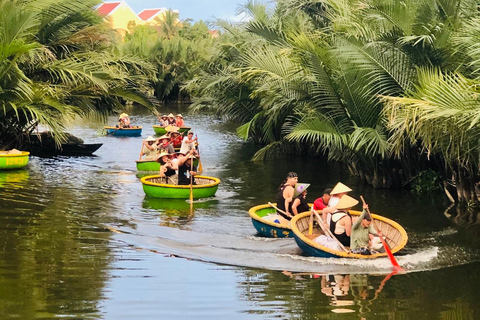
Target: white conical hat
(340,188)
(346,202)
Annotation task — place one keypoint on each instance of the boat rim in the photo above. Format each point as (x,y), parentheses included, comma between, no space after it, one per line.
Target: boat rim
(215,182)
(23,154)
(306,240)
(116,128)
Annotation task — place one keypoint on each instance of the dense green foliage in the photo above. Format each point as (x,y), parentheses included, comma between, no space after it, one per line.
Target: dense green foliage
(175,48)
(389,88)
(57,63)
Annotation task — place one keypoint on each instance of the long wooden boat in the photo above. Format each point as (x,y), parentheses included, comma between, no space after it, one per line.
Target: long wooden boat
(155,187)
(153,165)
(263,219)
(13,160)
(396,237)
(160,130)
(133,131)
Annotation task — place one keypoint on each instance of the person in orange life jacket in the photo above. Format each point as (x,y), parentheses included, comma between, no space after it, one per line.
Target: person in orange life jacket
(179,120)
(300,203)
(285,195)
(164,144)
(341,221)
(186,169)
(335,195)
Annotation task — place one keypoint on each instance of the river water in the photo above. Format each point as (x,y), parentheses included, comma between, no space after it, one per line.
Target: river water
(80,240)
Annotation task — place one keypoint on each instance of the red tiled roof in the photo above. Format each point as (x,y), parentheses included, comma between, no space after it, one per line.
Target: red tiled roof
(148,13)
(106,8)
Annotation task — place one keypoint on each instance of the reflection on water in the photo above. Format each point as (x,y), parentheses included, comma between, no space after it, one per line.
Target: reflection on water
(60,258)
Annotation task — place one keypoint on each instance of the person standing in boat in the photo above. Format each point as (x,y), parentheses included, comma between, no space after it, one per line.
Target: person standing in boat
(179,120)
(363,233)
(341,221)
(285,195)
(164,145)
(300,203)
(149,149)
(186,169)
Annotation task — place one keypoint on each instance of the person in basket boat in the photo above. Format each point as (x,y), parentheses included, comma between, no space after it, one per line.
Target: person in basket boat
(364,236)
(186,170)
(123,121)
(335,195)
(300,203)
(168,167)
(149,149)
(176,139)
(341,221)
(164,144)
(163,120)
(179,120)
(171,120)
(322,202)
(285,195)
(188,143)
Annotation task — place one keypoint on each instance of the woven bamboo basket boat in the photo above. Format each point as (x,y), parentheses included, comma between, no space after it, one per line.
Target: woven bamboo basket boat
(396,237)
(134,131)
(157,187)
(264,219)
(160,130)
(10,161)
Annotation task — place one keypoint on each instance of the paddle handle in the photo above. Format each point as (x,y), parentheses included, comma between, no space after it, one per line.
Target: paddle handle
(327,230)
(385,244)
(280,210)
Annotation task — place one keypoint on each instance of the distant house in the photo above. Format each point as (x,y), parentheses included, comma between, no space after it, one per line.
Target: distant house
(119,15)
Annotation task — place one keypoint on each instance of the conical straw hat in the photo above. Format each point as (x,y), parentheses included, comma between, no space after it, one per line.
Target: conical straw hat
(299,188)
(150,138)
(340,188)
(346,202)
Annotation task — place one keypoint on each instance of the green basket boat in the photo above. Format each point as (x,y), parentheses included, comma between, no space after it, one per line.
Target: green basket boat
(161,130)
(152,165)
(155,187)
(10,161)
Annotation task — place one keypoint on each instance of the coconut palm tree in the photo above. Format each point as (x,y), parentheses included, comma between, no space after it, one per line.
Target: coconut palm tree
(56,64)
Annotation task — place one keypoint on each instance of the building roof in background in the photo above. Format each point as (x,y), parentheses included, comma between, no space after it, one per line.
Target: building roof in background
(107,8)
(148,14)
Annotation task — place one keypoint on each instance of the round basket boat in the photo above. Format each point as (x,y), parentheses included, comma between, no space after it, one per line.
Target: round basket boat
(268,223)
(10,161)
(152,165)
(134,131)
(395,234)
(155,187)
(160,130)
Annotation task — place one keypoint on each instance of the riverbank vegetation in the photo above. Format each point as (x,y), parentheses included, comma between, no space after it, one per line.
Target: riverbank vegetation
(57,62)
(389,88)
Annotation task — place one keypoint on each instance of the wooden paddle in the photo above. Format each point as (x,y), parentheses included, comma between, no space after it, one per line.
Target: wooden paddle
(191,187)
(200,167)
(310,223)
(394,262)
(327,231)
(280,210)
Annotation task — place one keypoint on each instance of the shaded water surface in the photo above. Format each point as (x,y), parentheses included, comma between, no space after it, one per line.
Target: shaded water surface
(79,239)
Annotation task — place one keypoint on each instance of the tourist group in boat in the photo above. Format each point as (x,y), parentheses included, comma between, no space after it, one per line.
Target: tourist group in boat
(339,231)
